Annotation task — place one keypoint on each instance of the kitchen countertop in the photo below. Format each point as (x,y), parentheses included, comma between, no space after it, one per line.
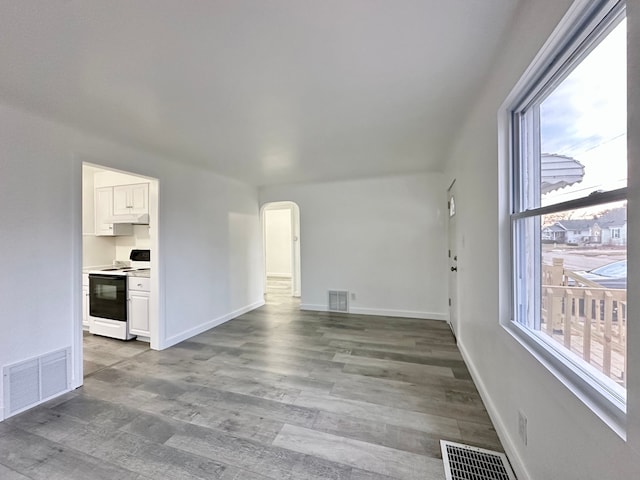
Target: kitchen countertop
(135,273)
(140,273)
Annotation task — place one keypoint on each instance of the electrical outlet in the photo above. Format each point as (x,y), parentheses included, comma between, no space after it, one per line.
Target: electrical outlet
(353,296)
(522,427)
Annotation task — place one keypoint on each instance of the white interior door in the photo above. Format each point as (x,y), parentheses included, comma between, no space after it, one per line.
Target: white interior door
(453,261)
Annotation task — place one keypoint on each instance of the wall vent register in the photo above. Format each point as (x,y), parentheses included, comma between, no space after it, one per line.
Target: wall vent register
(339,301)
(33,381)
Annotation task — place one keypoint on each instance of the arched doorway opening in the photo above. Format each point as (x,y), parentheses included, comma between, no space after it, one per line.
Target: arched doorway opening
(281,243)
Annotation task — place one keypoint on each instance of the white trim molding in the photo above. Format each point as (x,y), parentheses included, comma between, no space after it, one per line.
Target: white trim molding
(381,312)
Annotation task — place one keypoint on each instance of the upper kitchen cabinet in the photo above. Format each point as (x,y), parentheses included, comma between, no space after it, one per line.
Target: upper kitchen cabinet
(104,213)
(131,199)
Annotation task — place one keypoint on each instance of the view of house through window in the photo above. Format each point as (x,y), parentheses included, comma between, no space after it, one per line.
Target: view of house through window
(570,210)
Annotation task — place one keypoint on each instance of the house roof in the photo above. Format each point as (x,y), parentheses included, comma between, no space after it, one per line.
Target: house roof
(613,218)
(556,227)
(578,224)
(616,217)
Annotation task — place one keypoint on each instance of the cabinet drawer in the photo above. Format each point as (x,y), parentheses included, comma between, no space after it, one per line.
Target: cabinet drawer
(139,283)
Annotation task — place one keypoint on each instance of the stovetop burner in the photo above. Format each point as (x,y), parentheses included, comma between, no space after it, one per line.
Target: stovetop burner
(139,263)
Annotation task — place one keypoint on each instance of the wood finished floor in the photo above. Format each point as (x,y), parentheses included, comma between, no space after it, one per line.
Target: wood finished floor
(274,394)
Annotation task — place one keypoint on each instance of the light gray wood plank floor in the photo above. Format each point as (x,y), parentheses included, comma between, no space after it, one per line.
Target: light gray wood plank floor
(274,394)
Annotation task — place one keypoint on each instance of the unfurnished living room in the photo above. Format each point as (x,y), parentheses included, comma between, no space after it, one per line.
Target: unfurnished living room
(341,239)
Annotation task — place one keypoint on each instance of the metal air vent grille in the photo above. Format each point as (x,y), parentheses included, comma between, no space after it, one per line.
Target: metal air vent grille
(29,382)
(338,301)
(464,462)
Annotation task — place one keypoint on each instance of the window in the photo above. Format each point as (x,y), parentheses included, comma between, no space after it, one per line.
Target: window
(569,168)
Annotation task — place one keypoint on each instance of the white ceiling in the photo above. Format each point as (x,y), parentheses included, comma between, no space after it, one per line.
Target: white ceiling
(265,91)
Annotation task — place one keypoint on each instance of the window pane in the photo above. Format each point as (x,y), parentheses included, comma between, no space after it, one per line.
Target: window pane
(583,126)
(582,285)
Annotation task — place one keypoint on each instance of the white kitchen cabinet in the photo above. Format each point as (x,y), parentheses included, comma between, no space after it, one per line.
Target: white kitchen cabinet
(104,210)
(138,306)
(131,199)
(85,300)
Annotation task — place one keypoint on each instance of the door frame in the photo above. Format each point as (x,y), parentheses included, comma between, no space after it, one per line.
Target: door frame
(294,209)
(452,259)
(156,307)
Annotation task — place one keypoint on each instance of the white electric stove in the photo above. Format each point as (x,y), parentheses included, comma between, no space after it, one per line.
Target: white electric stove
(108,294)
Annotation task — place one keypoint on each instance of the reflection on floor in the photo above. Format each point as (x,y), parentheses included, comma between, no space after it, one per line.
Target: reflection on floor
(274,394)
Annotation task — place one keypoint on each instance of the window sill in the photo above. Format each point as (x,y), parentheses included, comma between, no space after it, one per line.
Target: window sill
(610,408)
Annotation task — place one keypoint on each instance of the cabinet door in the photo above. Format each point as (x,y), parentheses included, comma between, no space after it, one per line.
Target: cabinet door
(139,313)
(139,198)
(103,210)
(131,199)
(85,306)
(121,202)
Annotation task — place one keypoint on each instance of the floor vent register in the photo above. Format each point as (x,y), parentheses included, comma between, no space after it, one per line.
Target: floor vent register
(464,462)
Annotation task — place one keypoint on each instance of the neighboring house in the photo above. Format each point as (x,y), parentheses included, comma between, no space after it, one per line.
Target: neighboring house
(580,230)
(614,227)
(554,233)
(610,228)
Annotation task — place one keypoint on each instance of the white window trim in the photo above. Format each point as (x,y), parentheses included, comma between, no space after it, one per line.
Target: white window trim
(608,407)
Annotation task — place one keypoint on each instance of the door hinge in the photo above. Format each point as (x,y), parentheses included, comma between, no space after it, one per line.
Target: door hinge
(449,253)
(449,302)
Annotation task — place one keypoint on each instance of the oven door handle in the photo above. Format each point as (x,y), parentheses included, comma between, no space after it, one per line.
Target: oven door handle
(106,277)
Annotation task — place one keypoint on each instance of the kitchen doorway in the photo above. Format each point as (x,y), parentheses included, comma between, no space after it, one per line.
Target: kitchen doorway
(281,242)
(119,247)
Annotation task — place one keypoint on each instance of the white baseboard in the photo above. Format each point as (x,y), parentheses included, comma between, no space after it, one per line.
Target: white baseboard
(398,313)
(280,275)
(1,414)
(381,312)
(315,308)
(501,429)
(208,325)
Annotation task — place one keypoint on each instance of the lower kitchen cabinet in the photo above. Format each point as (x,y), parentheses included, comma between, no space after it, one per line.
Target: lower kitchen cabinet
(139,306)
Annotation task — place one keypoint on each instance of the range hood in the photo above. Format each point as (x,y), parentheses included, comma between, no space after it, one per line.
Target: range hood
(132,218)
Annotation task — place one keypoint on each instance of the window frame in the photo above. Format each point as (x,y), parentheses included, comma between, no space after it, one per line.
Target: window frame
(579,33)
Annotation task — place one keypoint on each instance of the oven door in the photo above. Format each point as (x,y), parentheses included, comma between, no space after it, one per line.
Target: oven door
(108,296)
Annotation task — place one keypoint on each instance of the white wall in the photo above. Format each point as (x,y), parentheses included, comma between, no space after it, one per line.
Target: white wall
(566,440)
(383,239)
(108,178)
(97,251)
(125,243)
(278,242)
(209,235)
